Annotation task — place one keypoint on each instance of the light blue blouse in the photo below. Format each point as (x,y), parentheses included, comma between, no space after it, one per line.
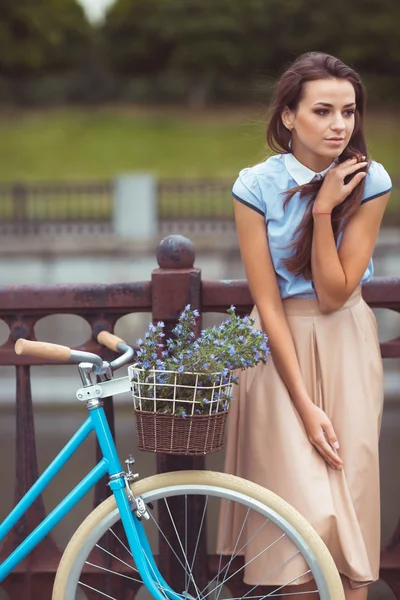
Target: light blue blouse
(261,188)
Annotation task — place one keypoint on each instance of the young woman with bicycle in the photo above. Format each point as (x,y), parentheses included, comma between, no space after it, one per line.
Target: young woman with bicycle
(306,425)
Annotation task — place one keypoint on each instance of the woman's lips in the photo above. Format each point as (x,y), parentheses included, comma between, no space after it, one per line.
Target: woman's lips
(335,140)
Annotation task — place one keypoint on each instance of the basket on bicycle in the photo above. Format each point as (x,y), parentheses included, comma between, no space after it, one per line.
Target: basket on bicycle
(180,412)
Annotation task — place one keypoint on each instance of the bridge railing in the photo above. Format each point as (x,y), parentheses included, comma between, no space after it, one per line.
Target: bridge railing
(189,206)
(176,283)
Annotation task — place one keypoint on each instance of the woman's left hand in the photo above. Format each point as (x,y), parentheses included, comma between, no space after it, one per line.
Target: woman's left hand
(333,190)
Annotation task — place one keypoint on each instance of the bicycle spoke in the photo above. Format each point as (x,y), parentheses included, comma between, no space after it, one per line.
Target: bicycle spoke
(123,545)
(198,535)
(113,572)
(89,587)
(234,551)
(288,583)
(180,544)
(277,595)
(220,556)
(116,558)
(271,573)
(241,548)
(249,562)
(130,566)
(160,531)
(186,515)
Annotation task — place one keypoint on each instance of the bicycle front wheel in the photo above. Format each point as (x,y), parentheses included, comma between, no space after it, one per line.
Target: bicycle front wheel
(97,562)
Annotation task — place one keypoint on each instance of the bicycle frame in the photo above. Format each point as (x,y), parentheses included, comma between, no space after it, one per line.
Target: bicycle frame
(109,464)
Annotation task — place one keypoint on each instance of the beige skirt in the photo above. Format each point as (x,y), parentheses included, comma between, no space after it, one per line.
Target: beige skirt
(341,364)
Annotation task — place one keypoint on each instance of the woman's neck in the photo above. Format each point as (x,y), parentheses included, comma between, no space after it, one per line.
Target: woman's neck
(315,162)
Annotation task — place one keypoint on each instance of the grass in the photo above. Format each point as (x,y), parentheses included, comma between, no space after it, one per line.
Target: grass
(99,144)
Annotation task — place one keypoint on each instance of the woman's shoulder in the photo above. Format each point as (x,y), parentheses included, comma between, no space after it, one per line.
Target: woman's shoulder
(377,182)
(266,170)
(253,183)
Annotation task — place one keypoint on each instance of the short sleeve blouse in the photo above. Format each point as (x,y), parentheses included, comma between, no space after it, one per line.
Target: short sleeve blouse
(262,188)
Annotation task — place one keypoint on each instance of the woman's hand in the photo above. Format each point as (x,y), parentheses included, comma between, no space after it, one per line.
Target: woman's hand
(322,435)
(333,190)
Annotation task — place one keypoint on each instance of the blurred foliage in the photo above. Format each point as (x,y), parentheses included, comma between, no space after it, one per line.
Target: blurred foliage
(188,51)
(234,47)
(38,36)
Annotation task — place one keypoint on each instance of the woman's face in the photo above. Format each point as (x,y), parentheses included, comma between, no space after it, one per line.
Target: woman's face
(323,122)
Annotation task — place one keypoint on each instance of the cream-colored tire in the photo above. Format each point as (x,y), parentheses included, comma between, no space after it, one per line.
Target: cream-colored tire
(212,484)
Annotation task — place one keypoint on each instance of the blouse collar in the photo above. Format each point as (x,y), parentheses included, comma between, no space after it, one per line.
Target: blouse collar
(302,174)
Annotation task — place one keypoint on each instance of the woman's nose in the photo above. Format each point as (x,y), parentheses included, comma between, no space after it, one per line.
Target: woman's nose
(338,124)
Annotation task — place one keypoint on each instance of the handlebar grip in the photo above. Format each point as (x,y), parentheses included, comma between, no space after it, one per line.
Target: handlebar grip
(109,340)
(43,350)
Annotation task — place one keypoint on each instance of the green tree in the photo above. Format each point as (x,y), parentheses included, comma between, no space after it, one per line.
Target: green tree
(237,43)
(136,37)
(38,36)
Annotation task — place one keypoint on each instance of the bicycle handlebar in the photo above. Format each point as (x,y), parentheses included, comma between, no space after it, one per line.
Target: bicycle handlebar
(59,353)
(43,350)
(109,340)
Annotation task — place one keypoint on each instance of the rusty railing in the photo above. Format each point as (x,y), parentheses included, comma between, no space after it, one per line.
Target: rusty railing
(173,285)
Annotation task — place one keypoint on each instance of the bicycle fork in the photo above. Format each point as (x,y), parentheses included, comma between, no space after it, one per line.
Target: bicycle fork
(132,509)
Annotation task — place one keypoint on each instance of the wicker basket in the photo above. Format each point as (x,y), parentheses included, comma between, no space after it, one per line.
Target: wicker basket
(169,431)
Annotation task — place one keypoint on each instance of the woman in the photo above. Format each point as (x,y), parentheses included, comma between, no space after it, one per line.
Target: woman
(307,424)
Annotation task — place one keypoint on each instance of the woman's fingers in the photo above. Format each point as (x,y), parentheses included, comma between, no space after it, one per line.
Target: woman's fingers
(329,455)
(349,187)
(327,451)
(330,435)
(351,168)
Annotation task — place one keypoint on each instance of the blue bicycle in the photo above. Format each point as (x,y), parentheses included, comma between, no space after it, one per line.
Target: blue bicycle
(119,545)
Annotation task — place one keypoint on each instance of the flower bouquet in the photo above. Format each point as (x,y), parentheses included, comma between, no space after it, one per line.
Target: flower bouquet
(182,387)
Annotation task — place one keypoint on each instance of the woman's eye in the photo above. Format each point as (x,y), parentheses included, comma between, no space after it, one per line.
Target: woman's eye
(321,111)
(350,112)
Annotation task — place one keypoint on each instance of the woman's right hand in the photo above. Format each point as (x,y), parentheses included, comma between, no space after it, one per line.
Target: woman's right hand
(322,436)
(334,190)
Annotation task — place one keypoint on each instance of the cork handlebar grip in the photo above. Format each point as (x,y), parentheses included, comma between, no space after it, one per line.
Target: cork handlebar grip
(109,340)
(43,350)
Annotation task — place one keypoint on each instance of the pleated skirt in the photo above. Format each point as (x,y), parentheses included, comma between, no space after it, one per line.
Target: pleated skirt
(340,361)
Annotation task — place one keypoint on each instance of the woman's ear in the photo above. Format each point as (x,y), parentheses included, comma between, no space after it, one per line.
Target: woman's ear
(287,118)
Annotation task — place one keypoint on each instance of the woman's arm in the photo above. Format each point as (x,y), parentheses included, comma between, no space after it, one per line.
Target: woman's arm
(337,273)
(264,288)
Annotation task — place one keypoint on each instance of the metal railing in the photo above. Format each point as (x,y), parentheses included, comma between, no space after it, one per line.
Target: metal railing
(21,307)
(38,208)
(187,206)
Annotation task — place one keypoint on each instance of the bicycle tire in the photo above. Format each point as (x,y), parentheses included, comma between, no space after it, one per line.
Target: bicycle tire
(222,486)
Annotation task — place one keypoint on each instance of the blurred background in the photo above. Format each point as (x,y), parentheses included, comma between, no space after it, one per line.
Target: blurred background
(124,121)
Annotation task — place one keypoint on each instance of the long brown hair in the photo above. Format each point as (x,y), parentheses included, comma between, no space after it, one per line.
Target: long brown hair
(288,93)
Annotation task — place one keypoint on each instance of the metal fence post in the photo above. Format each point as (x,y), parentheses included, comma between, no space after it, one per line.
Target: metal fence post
(174,285)
(135,207)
